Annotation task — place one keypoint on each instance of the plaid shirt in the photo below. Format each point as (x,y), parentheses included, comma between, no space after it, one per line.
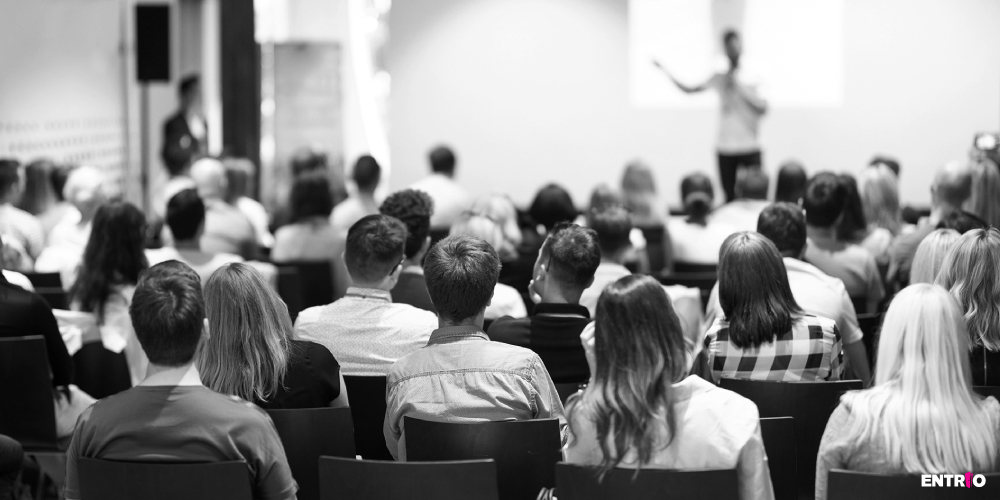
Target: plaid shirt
(812,350)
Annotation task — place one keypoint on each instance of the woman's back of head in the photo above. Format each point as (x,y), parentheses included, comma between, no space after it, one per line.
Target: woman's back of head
(985,199)
(552,205)
(501,210)
(114,255)
(792,180)
(879,191)
(639,192)
(930,255)
(482,227)
(697,195)
(853,225)
(971,272)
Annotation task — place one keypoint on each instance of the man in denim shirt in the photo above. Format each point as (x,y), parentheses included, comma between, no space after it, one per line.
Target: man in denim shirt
(460,375)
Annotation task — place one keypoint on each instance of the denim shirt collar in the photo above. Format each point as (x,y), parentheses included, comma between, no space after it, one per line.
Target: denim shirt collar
(448,334)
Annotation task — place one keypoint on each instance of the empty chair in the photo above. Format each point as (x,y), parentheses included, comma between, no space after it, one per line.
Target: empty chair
(308,434)
(525,451)
(779,443)
(25,379)
(575,482)
(108,480)
(846,485)
(347,479)
(368,413)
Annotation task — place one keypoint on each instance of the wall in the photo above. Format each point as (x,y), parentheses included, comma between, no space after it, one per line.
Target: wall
(529,91)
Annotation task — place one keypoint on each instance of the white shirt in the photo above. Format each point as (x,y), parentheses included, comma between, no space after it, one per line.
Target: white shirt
(506,302)
(739,215)
(351,210)
(738,121)
(203,263)
(697,244)
(606,274)
(366,331)
(450,199)
(16,278)
(310,240)
(257,214)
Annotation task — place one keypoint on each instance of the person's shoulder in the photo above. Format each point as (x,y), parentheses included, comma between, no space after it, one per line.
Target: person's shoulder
(825,324)
(311,314)
(416,316)
(509,330)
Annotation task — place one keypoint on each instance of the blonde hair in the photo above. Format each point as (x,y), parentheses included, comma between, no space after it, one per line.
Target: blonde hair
(247,350)
(971,272)
(501,210)
(482,227)
(879,191)
(639,192)
(985,198)
(922,406)
(930,255)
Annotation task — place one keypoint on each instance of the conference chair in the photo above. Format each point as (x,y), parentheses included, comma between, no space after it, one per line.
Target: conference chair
(779,443)
(655,235)
(809,403)
(686,268)
(847,485)
(368,414)
(305,284)
(100,372)
(525,451)
(870,325)
(987,390)
(45,280)
(308,434)
(346,479)
(702,281)
(575,482)
(109,480)
(25,380)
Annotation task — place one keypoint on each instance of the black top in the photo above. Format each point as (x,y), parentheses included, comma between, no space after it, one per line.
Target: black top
(553,332)
(985,366)
(24,313)
(411,288)
(312,380)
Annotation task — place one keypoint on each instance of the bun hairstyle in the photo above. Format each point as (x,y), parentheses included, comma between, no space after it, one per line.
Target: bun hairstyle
(697,195)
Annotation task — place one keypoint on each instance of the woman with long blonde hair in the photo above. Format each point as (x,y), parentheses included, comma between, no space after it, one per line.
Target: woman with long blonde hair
(930,255)
(922,416)
(984,200)
(250,351)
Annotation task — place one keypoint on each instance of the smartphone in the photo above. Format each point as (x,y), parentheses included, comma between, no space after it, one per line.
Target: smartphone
(986,141)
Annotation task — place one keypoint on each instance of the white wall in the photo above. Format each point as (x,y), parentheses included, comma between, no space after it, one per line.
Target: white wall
(530,91)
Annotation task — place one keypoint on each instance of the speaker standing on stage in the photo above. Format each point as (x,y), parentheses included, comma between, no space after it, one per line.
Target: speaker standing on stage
(185,133)
(742,108)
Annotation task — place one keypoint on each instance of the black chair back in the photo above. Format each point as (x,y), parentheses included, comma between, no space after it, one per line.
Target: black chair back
(308,434)
(987,390)
(847,485)
(108,480)
(654,236)
(568,389)
(56,297)
(525,451)
(345,479)
(809,403)
(779,443)
(685,268)
(305,284)
(574,482)
(45,280)
(28,413)
(367,396)
(860,305)
(704,282)
(100,372)
(870,325)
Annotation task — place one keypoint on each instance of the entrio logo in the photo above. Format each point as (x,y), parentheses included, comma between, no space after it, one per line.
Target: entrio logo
(966,480)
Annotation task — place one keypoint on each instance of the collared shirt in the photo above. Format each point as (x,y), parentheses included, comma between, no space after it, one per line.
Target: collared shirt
(450,199)
(854,265)
(460,376)
(365,331)
(606,274)
(809,352)
(552,332)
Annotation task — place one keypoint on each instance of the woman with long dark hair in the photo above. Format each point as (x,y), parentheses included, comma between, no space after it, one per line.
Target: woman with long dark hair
(642,410)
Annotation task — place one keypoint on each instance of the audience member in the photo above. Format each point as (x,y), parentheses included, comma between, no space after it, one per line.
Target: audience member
(930,255)
(878,190)
(310,237)
(961,221)
(506,301)
(37,194)
(240,181)
(971,272)
(791,184)
(825,202)
(57,210)
(450,199)
(922,416)
(751,197)
(251,352)
(112,262)
(612,226)
(697,236)
(460,375)
(361,203)
(552,205)
(815,292)
(170,415)
(306,161)
(185,133)
(227,230)
(887,161)
(763,333)
(639,195)
(499,209)
(9,254)
(564,269)
(413,208)
(951,187)
(365,330)
(86,191)
(602,198)
(186,220)
(22,227)
(11,461)
(641,410)
(984,200)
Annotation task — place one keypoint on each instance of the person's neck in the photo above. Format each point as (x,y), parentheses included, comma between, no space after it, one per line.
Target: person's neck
(618,259)
(186,374)
(476,321)
(188,245)
(416,261)
(556,295)
(822,232)
(367,197)
(384,285)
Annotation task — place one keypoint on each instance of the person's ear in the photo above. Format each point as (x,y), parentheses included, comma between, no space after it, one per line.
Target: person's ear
(543,272)
(396,271)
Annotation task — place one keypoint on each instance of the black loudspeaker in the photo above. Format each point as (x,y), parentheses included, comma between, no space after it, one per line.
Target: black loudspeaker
(152,42)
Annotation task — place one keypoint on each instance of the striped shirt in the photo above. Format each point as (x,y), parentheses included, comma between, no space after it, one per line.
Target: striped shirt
(811,351)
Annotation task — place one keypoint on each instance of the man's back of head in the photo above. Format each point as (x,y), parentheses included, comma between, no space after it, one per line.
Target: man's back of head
(792,180)
(367,174)
(571,254)
(168,313)
(414,209)
(784,224)
(375,249)
(209,176)
(751,184)
(185,215)
(461,273)
(825,199)
(613,226)
(442,161)
(305,160)
(952,185)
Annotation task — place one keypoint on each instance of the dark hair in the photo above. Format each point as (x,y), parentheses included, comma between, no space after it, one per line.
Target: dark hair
(461,273)
(888,161)
(753,290)
(791,184)
(442,160)
(640,353)
(187,84)
(58,176)
(784,224)
(114,255)
(8,175)
(613,226)
(603,197)
(185,214)
(573,254)
(552,205)
(853,224)
(961,221)
(374,247)
(729,35)
(751,183)
(414,208)
(305,161)
(825,199)
(37,194)
(367,173)
(168,313)
(311,197)
(697,196)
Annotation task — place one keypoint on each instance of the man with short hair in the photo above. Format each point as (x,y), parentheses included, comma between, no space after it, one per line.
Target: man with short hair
(365,330)
(814,291)
(25,230)
(751,197)
(86,191)
(367,174)
(450,199)
(566,264)
(460,375)
(171,416)
(824,202)
(414,209)
(185,133)
(226,230)
(186,220)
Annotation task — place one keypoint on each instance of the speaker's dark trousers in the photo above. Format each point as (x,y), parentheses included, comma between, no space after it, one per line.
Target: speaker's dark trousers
(729,164)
